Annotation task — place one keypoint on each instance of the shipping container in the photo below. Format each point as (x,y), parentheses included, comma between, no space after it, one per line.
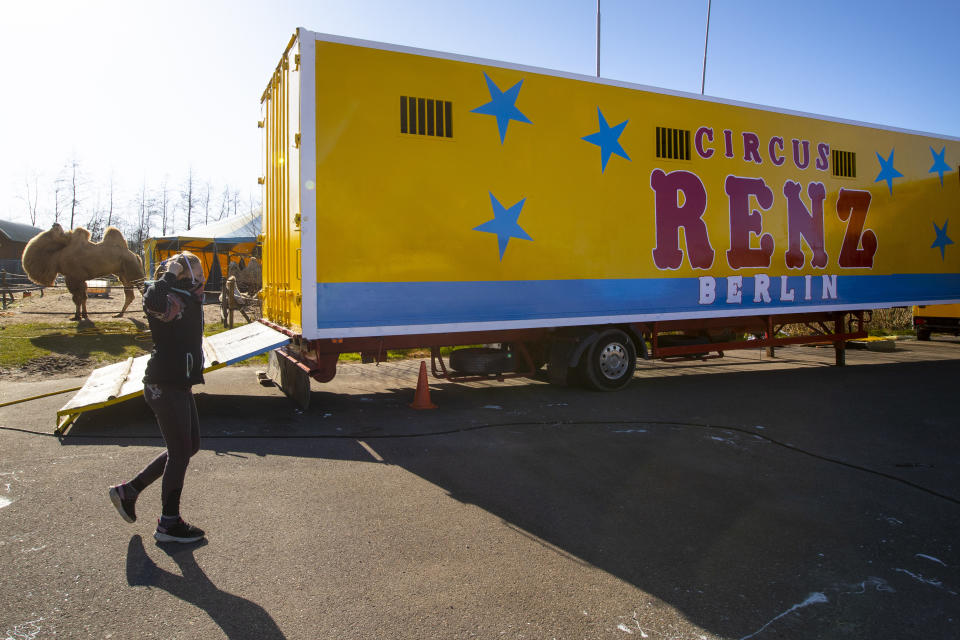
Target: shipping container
(415,198)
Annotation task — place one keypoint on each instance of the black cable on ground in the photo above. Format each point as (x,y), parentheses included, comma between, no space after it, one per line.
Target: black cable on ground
(551,423)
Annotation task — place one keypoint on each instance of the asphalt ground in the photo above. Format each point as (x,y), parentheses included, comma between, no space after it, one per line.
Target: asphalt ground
(745,497)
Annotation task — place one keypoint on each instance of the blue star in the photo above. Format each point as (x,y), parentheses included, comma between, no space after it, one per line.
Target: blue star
(942,240)
(607,138)
(939,164)
(887,172)
(502,106)
(504,224)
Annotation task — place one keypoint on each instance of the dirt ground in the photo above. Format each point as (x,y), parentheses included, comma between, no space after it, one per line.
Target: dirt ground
(56,307)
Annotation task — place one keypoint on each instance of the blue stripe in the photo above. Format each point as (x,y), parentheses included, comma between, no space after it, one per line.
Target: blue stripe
(414,303)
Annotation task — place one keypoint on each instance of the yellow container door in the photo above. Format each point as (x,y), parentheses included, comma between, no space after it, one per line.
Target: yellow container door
(282,290)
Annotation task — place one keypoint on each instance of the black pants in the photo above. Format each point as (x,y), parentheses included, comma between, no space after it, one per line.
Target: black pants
(176,413)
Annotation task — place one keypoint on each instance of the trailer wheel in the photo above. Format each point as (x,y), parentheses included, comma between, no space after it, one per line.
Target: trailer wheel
(610,362)
(923,334)
(482,361)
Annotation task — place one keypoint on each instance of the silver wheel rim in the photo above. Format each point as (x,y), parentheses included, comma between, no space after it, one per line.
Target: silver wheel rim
(613,361)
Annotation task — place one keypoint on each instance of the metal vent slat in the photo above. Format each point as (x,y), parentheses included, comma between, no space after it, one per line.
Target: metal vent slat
(672,144)
(412,110)
(439,116)
(426,117)
(844,163)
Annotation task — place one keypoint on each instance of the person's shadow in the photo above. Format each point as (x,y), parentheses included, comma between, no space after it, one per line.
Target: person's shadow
(238,617)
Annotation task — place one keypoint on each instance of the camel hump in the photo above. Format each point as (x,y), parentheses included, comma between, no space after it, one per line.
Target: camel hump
(114,236)
(78,236)
(41,255)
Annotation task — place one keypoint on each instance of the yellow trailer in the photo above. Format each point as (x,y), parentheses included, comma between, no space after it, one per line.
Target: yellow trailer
(937,318)
(416,198)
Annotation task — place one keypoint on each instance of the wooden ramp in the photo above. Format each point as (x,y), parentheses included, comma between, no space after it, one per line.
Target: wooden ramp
(124,380)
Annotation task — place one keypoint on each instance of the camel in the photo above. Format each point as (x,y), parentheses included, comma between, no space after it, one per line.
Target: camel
(249,279)
(231,299)
(72,254)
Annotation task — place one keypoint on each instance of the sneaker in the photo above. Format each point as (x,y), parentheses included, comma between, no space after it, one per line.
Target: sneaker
(179,532)
(126,507)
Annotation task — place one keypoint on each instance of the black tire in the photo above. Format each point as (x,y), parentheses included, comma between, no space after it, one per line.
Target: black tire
(609,363)
(477,361)
(923,334)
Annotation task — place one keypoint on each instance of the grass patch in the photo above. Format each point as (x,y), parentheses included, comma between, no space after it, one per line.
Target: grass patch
(404,354)
(103,343)
(100,344)
(392,354)
(882,333)
(260,359)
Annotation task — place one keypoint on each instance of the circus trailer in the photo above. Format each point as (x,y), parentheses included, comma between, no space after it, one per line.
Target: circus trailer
(423,199)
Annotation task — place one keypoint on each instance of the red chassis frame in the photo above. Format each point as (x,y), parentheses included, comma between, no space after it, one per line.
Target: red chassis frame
(318,358)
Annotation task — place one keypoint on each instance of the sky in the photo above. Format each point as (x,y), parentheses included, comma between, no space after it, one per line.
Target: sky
(147,91)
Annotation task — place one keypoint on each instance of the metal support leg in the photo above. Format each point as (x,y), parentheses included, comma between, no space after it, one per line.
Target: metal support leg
(839,346)
(771,350)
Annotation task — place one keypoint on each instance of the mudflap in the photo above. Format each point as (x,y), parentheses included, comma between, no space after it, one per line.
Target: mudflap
(290,377)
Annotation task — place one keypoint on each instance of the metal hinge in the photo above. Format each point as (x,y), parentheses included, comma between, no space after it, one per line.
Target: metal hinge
(259,124)
(296,140)
(296,62)
(296,219)
(260,240)
(261,180)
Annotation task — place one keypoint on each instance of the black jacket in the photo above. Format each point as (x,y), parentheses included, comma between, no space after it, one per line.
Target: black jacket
(177,356)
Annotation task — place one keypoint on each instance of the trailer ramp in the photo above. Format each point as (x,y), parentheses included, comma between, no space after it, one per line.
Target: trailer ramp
(124,380)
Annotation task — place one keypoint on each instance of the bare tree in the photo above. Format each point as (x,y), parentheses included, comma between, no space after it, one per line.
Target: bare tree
(225,203)
(79,199)
(57,190)
(165,208)
(74,187)
(32,195)
(110,201)
(146,210)
(95,224)
(188,198)
(205,198)
(95,227)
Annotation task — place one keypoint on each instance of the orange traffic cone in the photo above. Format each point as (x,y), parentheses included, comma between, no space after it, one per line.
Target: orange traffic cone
(421,400)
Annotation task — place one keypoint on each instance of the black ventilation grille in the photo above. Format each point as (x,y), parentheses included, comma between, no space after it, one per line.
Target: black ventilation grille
(426,117)
(673,144)
(844,164)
